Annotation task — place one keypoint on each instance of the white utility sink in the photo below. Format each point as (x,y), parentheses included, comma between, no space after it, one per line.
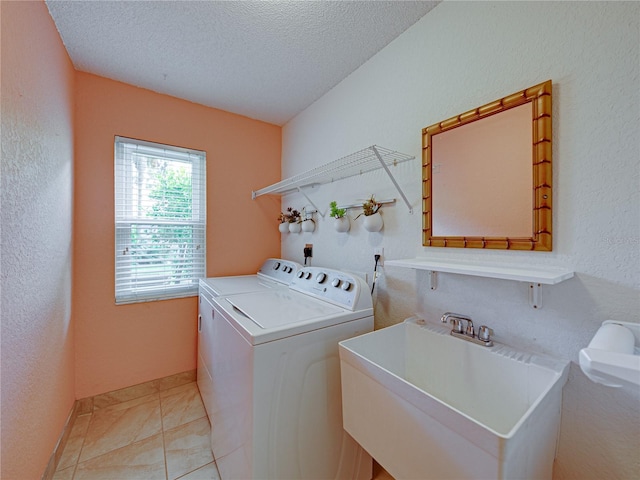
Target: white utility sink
(427,405)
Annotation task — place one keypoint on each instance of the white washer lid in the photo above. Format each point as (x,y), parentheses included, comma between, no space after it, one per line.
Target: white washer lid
(278,307)
(237,284)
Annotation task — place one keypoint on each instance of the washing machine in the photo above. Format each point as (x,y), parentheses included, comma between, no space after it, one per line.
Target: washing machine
(274,273)
(276,400)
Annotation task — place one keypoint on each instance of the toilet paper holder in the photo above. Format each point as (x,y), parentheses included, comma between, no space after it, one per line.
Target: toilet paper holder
(613,355)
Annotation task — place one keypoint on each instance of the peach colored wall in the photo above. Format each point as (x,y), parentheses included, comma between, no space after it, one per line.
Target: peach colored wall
(118,346)
(36,248)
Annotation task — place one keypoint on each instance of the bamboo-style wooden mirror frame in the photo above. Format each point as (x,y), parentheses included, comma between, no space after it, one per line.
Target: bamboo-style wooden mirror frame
(540,98)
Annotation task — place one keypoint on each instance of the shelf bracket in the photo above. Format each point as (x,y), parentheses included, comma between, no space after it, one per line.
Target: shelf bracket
(433,279)
(535,295)
(310,201)
(392,178)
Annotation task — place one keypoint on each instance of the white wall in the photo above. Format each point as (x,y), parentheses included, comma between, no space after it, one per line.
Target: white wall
(460,56)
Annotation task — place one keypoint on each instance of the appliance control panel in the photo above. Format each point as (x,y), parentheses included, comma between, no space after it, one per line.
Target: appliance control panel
(340,288)
(283,271)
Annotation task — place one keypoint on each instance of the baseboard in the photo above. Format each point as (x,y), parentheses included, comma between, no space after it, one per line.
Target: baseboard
(50,470)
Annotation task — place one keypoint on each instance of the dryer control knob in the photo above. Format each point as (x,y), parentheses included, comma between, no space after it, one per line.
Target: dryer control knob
(336,282)
(276,266)
(321,277)
(308,275)
(300,274)
(346,286)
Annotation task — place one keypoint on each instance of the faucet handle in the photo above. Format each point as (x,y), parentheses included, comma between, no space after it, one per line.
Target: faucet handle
(470,330)
(484,333)
(457,325)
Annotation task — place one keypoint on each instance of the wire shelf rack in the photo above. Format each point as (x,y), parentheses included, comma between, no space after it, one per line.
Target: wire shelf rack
(363,161)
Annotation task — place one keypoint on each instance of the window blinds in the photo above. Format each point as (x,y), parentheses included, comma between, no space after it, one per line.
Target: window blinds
(160,220)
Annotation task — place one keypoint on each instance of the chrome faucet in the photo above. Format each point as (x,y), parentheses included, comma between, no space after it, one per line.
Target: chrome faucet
(457,320)
(468,333)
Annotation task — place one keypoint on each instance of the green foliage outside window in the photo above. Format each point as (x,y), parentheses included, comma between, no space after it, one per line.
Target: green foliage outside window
(161,246)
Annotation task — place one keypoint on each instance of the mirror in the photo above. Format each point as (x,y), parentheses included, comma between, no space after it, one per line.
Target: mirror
(486,175)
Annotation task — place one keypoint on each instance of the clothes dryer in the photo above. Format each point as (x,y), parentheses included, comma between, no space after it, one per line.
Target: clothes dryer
(276,402)
(274,273)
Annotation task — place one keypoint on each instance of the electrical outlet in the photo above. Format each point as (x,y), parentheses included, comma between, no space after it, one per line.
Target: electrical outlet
(379,251)
(308,253)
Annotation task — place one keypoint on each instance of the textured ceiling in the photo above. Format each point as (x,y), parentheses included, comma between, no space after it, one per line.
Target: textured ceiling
(267,60)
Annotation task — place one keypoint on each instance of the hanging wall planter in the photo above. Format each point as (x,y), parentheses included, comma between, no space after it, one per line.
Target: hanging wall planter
(288,219)
(341,221)
(342,224)
(308,225)
(372,218)
(373,223)
(295,227)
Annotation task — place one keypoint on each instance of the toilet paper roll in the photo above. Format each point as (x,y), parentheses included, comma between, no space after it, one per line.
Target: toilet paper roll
(614,338)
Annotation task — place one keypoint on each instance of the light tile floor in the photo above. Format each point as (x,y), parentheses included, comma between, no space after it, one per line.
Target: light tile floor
(163,435)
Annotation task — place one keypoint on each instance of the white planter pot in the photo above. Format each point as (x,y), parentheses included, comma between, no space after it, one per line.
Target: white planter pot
(294,228)
(308,226)
(342,224)
(373,223)
(283,227)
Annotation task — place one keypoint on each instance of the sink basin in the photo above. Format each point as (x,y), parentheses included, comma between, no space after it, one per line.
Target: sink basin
(428,405)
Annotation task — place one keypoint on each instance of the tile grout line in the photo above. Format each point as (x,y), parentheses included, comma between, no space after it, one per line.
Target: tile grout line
(164,445)
(181,425)
(200,466)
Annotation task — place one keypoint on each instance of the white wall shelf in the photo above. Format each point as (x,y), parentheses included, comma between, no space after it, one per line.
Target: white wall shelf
(536,276)
(366,160)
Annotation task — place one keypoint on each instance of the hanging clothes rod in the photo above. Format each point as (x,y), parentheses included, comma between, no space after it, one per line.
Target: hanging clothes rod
(359,205)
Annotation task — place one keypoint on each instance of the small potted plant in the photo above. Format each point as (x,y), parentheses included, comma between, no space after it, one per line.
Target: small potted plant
(289,221)
(341,222)
(293,217)
(283,218)
(372,218)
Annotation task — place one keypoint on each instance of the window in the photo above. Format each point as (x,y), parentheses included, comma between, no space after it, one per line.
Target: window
(160,220)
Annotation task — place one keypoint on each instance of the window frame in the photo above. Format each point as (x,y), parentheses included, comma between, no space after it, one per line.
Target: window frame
(127,217)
